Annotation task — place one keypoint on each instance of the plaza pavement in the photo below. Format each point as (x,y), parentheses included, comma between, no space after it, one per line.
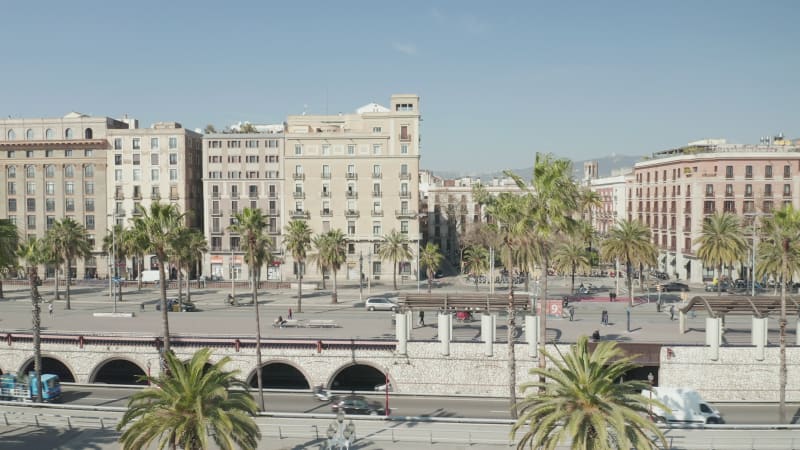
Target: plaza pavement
(216,318)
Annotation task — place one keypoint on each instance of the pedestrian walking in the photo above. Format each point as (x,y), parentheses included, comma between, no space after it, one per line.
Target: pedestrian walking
(604,318)
(289,316)
(421,318)
(672,312)
(50,309)
(571,313)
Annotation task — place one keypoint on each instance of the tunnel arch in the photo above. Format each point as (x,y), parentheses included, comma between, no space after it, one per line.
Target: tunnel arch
(358,377)
(279,375)
(118,370)
(52,365)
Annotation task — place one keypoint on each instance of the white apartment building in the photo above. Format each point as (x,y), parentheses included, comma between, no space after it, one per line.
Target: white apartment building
(613,195)
(241,171)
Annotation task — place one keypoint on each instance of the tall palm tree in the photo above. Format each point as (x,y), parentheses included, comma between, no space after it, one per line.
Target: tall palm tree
(251,225)
(570,255)
(588,202)
(161,224)
(630,243)
(195,246)
(431,259)
(318,243)
(581,401)
(331,254)
(32,252)
(476,262)
(196,400)
(136,242)
(297,241)
(779,255)
(68,239)
(113,243)
(9,242)
(721,243)
(395,248)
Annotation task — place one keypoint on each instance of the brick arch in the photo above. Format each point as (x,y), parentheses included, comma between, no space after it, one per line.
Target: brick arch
(47,368)
(359,376)
(305,383)
(100,366)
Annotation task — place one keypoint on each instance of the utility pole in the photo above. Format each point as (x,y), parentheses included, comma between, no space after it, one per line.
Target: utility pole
(491,270)
(361,275)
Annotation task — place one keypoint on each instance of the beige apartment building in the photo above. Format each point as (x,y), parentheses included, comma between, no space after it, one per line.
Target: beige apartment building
(157,164)
(241,171)
(56,168)
(357,172)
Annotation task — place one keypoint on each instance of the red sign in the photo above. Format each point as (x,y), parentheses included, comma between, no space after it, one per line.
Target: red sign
(554,308)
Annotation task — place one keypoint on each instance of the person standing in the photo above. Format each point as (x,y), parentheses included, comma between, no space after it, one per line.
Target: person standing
(672,312)
(289,316)
(421,318)
(50,309)
(571,313)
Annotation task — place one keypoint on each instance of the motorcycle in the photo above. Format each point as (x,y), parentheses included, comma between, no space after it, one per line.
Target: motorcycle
(322,394)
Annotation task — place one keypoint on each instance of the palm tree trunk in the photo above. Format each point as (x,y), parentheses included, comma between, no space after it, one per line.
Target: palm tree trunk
(188,285)
(69,275)
(572,289)
(139,270)
(476,284)
(300,287)
(180,284)
(630,279)
(323,279)
(783,371)
(430,281)
(719,280)
(335,295)
(512,357)
(258,334)
(1,289)
(543,321)
(37,329)
(58,294)
(395,268)
(164,316)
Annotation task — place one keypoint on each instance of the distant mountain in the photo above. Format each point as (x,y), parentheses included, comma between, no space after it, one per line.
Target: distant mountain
(605,165)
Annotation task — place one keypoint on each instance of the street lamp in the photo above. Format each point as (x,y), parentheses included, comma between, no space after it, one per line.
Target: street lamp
(340,436)
(233,278)
(650,379)
(361,276)
(419,237)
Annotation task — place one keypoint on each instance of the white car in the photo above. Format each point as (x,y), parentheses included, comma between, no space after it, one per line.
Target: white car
(380,304)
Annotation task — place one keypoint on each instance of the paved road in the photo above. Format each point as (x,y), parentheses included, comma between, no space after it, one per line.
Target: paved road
(411,405)
(217,318)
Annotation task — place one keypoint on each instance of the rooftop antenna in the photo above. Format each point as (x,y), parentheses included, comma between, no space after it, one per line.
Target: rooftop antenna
(305,109)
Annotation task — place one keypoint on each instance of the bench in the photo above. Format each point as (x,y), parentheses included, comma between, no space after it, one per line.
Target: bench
(322,324)
(288,323)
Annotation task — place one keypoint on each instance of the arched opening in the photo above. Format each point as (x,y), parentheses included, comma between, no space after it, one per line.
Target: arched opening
(87,134)
(51,365)
(11,135)
(358,377)
(68,133)
(118,371)
(29,134)
(49,134)
(279,375)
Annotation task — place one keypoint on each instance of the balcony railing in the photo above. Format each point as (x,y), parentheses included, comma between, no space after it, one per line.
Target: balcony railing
(137,195)
(298,195)
(687,229)
(405,176)
(767,193)
(377,194)
(155,197)
(405,194)
(326,176)
(351,176)
(119,196)
(352,194)
(300,214)
(253,194)
(272,212)
(326,213)
(299,176)
(350,213)
(216,212)
(273,195)
(376,176)
(216,248)
(729,210)
(325,194)
(173,196)
(273,230)
(215,195)
(377,213)
(405,214)
(404,137)
(787,194)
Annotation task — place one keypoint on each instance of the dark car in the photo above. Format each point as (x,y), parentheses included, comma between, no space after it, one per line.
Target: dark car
(355,404)
(675,287)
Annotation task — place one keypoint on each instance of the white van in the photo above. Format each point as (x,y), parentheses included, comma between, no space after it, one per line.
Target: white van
(684,405)
(150,276)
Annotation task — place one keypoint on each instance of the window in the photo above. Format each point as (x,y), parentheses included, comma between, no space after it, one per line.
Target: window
(30,188)
(89,188)
(326,171)
(250,144)
(29,153)
(117,143)
(48,153)
(173,143)
(30,204)
(88,153)
(376,267)
(787,171)
(50,204)
(49,134)
(768,172)
(89,205)
(376,189)
(728,171)
(749,207)
(30,171)
(137,160)
(376,170)
(153,159)
(137,192)
(68,133)
(69,188)
(748,171)
(787,190)
(767,190)
(117,160)
(709,207)
(376,129)
(88,171)
(748,190)
(69,205)
(68,153)
(298,149)
(351,149)
(234,191)
(12,171)
(767,206)
(89,220)
(351,227)
(403,149)
(136,143)
(404,226)
(326,150)
(728,190)
(12,205)
(709,189)
(173,174)
(154,143)
(50,188)
(173,159)
(137,175)
(12,188)
(351,169)
(234,144)
(376,228)
(404,169)
(154,174)
(31,222)
(376,149)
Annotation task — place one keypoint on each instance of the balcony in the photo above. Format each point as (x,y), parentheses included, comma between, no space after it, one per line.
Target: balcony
(215,195)
(767,193)
(405,214)
(272,195)
(216,248)
(377,194)
(377,213)
(298,176)
(787,194)
(298,195)
(351,213)
(405,176)
(325,194)
(405,194)
(216,231)
(351,194)
(326,213)
(235,194)
(273,230)
(404,137)
(687,228)
(300,214)
(326,176)
(729,210)
(155,197)
(137,195)
(709,194)
(728,194)
(216,212)
(351,176)
(376,176)
(173,196)
(119,196)
(253,195)
(272,212)
(709,211)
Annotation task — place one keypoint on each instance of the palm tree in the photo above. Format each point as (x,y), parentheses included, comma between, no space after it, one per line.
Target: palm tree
(195,246)
(68,240)
(570,255)
(9,242)
(32,252)
(196,400)
(297,241)
(112,243)
(476,262)
(318,243)
(588,200)
(251,225)
(136,242)
(779,255)
(331,254)
(629,242)
(721,243)
(581,401)
(160,224)
(431,260)
(395,248)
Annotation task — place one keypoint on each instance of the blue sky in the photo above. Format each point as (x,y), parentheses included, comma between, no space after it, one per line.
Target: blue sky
(498,81)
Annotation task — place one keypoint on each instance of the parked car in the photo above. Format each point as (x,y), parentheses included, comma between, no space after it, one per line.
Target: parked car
(174,305)
(356,404)
(711,287)
(675,287)
(380,304)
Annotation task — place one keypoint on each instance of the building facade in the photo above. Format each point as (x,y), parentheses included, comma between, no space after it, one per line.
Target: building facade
(613,192)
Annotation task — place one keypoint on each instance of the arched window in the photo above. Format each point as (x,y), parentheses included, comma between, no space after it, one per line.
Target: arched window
(29,134)
(11,135)
(49,134)
(50,171)
(68,133)
(30,171)
(88,170)
(87,134)
(69,171)
(12,171)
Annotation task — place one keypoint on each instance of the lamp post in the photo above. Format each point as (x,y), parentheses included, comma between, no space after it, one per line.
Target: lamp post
(650,379)
(233,278)
(386,389)
(361,276)
(419,238)
(340,436)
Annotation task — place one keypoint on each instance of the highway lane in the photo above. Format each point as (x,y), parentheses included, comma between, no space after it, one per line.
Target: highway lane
(412,405)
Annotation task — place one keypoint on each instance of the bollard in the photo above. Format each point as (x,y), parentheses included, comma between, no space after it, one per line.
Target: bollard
(141,306)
